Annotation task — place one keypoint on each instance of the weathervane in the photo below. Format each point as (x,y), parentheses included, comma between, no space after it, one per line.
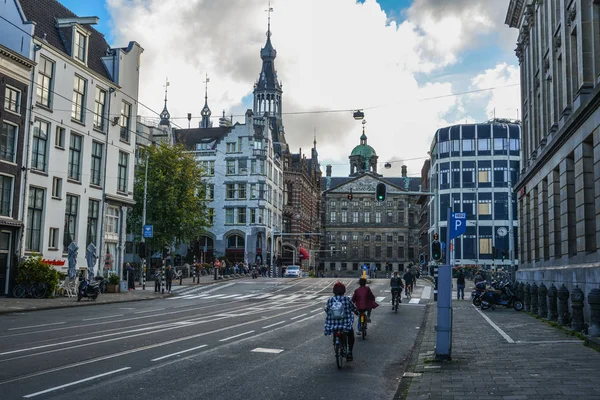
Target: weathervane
(269,11)
(166,85)
(206,80)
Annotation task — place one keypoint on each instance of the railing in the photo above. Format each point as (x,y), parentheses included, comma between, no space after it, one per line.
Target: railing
(259,153)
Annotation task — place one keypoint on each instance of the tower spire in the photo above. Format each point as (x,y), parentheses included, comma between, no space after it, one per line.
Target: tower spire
(205,123)
(315,138)
(164,115)
(269,11)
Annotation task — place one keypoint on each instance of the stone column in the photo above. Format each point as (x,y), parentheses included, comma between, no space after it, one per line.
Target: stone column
(526,297)
(577,298)
(534,299)
(552,304)
(563,305)
(597,182)
(543,220)
(567,207)
(535,232)
(585,213)
(554,232)
(542,302)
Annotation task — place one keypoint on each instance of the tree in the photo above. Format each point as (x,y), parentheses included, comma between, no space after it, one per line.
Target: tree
(176,195)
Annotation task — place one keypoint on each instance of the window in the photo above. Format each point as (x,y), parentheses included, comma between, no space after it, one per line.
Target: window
(210,191)
(99,104)
(378,217)
(211,216)
(92,222)
(59,138)
(332,216)
(468,144)
(367,217)
(400,252)
(401,238)
(78,104)
(484,176)
(243,167)
(252,215)
(38,152)
(253,191)
(241,191)
(80,46)
(485,245)
(377,251)
(34,219)
(483,144)
(53,239)
(229,216)
(12,100)
(390,217)
(355,236)
(241,214)
(230,147)
(367,203)
(366,238)
(112,220)
(44,83)
(261,216)
(70,221)
(8,140)
(230,191)
(57,187)
(344,217)
(230,167)
(75,157)
(366,252)
(390,238)
(355,217)
(6,188)
(125,122)
(389,252)
(485,207)
(378,238)
(122,172)
(96,169)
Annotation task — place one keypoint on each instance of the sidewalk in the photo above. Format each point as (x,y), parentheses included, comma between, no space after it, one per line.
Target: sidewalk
(11,304)
(529,360)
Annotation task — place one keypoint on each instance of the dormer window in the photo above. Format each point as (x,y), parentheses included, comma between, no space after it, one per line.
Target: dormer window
(80,45)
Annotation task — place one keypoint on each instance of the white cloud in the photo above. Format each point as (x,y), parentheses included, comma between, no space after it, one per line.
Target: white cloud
(504,101)
(334,54)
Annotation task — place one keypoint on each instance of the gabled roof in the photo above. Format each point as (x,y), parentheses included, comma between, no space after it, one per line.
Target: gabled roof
(189,137)
(44,14)
(407,184)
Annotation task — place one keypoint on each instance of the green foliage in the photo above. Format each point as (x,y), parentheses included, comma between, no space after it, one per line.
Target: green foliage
(114,279)
(176,194)
(33,270)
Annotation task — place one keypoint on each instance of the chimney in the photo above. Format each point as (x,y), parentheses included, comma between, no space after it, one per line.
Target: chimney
(328,170)
(404,171)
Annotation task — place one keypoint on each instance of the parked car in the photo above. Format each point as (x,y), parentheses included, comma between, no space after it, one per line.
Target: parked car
(292,271)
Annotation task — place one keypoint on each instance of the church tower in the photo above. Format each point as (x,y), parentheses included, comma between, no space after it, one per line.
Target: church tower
(268,93)
(165,119)
(206,123)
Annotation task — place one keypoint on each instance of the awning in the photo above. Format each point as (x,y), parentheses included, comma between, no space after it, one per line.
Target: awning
(303,253)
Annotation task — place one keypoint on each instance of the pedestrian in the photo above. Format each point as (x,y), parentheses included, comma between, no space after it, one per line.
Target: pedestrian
(130,277)
(169,278)
(460,285)
(157,280)
(478,278)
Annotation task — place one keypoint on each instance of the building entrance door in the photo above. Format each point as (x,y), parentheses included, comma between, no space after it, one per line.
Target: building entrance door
(4,261)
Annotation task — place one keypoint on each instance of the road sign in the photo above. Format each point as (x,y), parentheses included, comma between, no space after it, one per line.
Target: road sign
(458,224)
(148,231)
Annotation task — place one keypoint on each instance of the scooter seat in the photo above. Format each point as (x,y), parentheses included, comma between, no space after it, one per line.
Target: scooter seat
(498,292)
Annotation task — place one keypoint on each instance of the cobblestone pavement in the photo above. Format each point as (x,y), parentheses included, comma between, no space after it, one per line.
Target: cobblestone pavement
(530,360)
(11,304)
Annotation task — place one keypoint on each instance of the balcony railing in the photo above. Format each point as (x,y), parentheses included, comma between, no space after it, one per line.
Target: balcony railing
(262,153)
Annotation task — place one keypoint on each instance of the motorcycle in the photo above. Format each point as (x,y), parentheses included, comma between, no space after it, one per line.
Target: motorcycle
(502,297)
(477,293)
(254,274)
(101,283)
(88,289)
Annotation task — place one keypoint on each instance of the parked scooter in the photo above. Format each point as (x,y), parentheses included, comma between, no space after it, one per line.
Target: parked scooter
(88,289)
(101,283)
(254,273)
(477,293)
(502,297)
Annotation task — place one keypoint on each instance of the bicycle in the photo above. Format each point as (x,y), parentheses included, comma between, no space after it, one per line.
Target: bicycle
(340,346)
(395,298)
(408,290)
(35,290)
(363,323)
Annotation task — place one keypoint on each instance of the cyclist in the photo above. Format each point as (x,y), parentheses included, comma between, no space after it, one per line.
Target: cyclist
(396,285)
(364,299)
(409,280)
(346,322)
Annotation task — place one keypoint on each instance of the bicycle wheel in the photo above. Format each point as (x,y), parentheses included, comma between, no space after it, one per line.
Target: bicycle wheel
(19,291)
(39,290)
(396,305)
(339,359)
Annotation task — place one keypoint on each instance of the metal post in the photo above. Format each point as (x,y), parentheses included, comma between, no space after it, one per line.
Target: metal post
(162,278)
(144,273)
(511,231)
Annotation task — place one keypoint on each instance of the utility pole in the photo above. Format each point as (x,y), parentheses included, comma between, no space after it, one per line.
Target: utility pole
(511,229)
(144,222)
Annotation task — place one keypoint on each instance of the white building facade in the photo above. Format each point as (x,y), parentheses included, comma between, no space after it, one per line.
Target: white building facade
(80,158)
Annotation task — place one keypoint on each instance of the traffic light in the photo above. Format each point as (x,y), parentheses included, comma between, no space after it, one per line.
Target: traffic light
(436,250)
(422,259)
(380,192)
(166,252)
(350,196)
(503,254)
(142,250)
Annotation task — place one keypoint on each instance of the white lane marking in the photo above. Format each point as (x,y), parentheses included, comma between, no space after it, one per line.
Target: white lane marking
(179,352)
(147,311)
(263,350)
(547,341)
(298,316)
(306,319)
(215,296)
(379,298)
(235,336)
(493,325)
(247,295)
(263,296)
(293,297)
(108,316)
(277,323)
(426,293)
(35,326)
(323,298)
(316,309)
(126,308)
(414,301)
(230,295)
(76,382)
(279,296)
(221,286)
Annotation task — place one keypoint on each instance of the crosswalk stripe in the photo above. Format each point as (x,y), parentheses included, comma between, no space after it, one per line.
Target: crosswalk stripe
(229,296)
(379,298)
(263,296)
(414,301)
(279,296)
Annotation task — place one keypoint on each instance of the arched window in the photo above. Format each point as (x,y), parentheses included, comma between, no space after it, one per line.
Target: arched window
(235,241)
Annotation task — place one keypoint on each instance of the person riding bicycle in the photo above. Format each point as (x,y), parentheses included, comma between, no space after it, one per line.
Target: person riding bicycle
(409,279)
(345,320)
(396,285)
(364,299)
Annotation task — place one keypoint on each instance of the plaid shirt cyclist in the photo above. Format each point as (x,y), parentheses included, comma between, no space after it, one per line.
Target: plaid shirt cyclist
(346,322)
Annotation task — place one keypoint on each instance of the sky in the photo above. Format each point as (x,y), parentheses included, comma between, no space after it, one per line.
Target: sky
(413,66)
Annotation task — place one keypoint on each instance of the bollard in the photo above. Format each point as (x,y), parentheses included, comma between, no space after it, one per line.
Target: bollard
(534,299)
(520,291)
(552,293)
(542,301)
(594,302)
(526,297)
(563,305)
(577,297)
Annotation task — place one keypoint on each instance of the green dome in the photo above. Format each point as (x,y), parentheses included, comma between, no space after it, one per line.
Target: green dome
(363,150)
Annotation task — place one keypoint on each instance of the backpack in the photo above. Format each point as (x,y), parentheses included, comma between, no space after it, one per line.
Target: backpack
(336,311)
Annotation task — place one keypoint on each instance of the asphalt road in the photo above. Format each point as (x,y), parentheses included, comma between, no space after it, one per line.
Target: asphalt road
(248,339)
